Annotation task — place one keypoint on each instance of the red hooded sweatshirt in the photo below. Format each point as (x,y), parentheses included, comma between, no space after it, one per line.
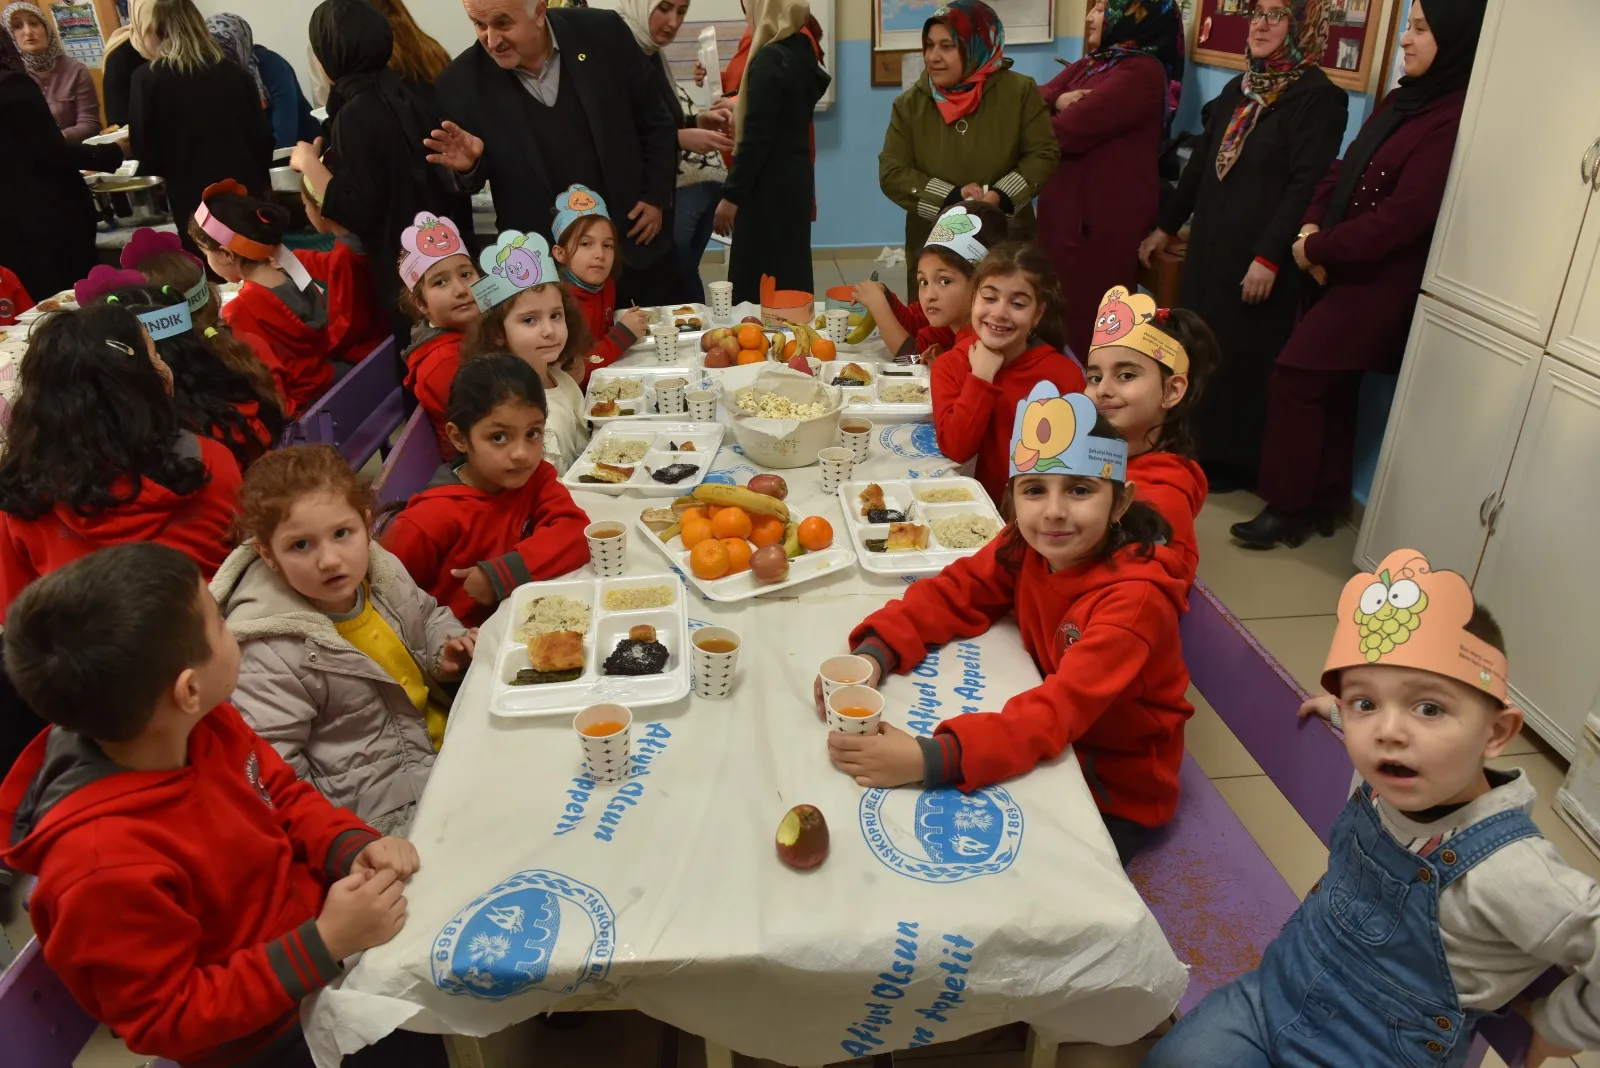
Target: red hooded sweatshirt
(1103,634)
(346,325)
(515,536)
(924,336)
(972,417)
(269,359)
(431,366)
(199,525)
(611,338)
(179,906)
(14,299)
(1176,487)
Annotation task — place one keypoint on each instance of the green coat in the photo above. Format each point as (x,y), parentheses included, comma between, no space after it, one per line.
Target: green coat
(1007,144)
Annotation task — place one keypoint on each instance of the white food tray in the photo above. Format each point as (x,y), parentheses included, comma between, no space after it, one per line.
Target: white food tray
(706,437)
(743,586)
(606,629)
(688,339)
(903,496)
(645,406)
(866,402)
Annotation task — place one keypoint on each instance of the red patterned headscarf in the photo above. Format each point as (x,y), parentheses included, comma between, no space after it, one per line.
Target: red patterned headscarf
(982,40)
(1266,79)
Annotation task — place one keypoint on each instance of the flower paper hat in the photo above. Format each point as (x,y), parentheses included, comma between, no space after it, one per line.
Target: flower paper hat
(427,241)
(574,204)
(1129,320)
(158,323)
(516,261)
(1407,615)
(958,231)
(1051,436)
(147,242)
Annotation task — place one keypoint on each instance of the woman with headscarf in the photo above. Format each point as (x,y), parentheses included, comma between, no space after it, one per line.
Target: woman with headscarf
(1110,111)
(66,83)
(1365,242)
(971,128)
(702,137)
(275,79)
(372,176)
(1269,136)
(766,203)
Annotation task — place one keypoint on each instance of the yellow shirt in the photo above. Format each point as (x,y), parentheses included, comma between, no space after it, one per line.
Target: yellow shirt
(371,633)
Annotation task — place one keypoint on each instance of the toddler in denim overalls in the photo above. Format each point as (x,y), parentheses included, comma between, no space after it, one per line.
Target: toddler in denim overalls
(1441,901)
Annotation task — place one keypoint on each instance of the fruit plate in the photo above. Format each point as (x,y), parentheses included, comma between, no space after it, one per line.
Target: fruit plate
(906,496)
(606,628)
(676,312)
(663,443)
(741,587)
(867,401)
(644,404)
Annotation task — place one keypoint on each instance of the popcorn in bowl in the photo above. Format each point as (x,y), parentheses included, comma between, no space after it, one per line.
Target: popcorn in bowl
(775,406)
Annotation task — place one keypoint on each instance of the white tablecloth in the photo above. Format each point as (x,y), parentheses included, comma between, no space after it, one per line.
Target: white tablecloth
(936,915)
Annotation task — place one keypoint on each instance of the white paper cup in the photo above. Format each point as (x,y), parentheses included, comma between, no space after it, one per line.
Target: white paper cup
(669,396)
(837,464)
(666,339)
(856,440)
(854,697)
(838,323)
(721,295)
(845,670)
(608,545)
(605,757)
(713,672)
(702,405)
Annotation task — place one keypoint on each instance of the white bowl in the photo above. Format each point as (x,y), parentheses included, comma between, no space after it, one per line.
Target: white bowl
(798,448)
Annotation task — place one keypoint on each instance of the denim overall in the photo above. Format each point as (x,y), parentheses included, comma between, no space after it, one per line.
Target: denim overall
(1358,975)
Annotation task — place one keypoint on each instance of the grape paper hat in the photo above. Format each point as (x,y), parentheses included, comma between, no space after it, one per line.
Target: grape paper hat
(958,232)
(516,261)
(429,239)
(1405,614)
(1129,320)
(574,204)
(147,242)
(1051,436)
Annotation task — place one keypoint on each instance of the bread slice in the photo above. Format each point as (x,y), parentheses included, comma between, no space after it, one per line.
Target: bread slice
(871,498)
(906,538)
(611,473)
(558,650)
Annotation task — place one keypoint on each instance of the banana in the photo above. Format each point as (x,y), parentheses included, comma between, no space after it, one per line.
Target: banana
(671,532)
(791,539)
(683,504)
(803,336)
(740,497)
(861,333)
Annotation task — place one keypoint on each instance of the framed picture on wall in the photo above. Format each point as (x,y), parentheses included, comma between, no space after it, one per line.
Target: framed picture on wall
(897,24)
(1353,38)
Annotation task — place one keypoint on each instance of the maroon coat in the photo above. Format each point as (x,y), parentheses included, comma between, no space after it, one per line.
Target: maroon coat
(1103,198)
(1376,256)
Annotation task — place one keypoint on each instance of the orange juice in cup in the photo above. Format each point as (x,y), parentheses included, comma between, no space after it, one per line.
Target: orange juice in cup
(854,709)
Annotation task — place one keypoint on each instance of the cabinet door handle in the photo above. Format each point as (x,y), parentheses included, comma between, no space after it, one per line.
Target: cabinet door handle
(1494,516)
(1483,509)
(1583,164)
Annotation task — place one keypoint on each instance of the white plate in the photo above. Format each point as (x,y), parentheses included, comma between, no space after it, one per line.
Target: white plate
(605,630)
(741,587)
(866,402)
(645,404)
(707,439)
(107,138)
(903,495)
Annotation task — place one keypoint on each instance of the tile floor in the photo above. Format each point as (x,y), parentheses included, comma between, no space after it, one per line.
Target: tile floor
(1286,598)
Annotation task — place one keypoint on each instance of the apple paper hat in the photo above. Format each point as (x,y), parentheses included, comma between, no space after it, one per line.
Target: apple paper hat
(516,261)
(574,204)
(428,240)
(958,232)
(1405,614)
(1130,320)
(1051,436)
(147,242)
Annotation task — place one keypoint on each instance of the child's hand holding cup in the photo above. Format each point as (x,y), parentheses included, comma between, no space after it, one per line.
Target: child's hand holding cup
(837,672)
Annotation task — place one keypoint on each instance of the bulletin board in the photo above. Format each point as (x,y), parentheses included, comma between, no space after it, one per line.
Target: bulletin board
(1223,26)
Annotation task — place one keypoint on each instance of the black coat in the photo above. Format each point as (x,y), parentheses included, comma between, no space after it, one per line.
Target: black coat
(635,137)
(1255,211)
(48,238)
(773,179)
(198,128)
(117,81)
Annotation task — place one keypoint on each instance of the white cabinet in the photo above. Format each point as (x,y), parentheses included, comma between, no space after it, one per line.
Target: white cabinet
(1540,575)
(1516,202)
(1577,331)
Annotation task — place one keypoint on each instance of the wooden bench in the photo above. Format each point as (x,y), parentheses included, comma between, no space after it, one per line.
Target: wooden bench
(359,413)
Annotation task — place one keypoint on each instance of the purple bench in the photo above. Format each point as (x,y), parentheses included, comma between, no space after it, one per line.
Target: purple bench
(359,413)
(409,467)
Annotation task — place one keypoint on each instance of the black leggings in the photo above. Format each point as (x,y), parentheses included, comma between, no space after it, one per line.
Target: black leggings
(1129,837)
(399,1049)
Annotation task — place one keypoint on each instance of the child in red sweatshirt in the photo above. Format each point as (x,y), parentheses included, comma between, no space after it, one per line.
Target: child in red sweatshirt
(500,518)
(586,249)
(1098,611)
(14,299)
(942,310)
(436,276)
(191,890)
(96,454)
(311,307)
(1147,368)
(1015,343)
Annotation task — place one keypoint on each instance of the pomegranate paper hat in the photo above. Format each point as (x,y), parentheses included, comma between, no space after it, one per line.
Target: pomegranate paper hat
(428,240)
(147,242)
(1128,319)
(516,261)
(1405,614)
(1051,436)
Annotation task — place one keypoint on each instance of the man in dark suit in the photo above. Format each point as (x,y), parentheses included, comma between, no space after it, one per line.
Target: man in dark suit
(557,97)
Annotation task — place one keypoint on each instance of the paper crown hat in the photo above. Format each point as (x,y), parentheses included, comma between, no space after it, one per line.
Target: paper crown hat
(429,239)
(1129,320)
(147,242)
(574,204)
(516,261)
(158,323)
(1407,615)
(1051,436)
(958,232)
(221,232)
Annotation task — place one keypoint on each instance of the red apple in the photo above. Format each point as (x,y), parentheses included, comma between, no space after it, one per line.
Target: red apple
(803,838)
(770,485)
